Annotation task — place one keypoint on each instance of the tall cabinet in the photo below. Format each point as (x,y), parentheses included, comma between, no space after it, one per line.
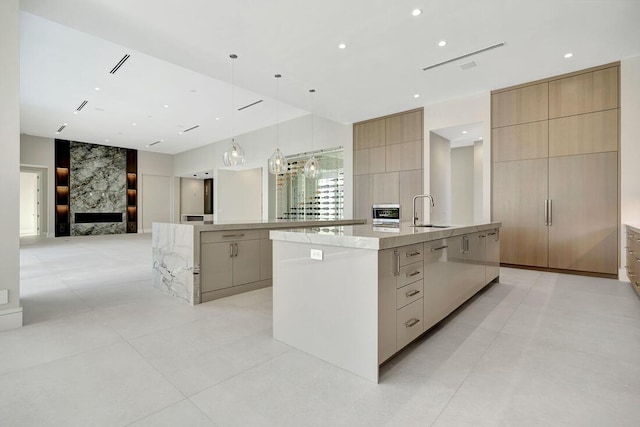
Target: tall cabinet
(388,162)
(555,171)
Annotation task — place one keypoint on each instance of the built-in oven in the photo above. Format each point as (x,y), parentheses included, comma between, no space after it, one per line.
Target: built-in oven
(387,214)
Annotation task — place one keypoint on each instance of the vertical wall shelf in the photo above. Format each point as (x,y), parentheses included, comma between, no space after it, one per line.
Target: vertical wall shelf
(132,191)
(62,162)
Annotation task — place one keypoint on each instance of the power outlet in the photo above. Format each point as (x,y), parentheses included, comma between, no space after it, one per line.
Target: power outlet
(317,254)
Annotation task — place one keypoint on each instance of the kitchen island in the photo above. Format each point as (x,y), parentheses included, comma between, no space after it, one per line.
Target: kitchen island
(209,260)
(356,295)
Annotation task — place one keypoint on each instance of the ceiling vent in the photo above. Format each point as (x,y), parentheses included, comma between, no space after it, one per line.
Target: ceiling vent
(61,128)
(467,65)
(250,105)
(154,143)
(475,52)
(81,106)
(119,64)
(191,128)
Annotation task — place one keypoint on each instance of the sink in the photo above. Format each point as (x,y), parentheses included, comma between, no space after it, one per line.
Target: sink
(432,226)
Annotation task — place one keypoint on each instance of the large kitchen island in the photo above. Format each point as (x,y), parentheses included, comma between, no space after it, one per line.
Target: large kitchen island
(204,261)
(356,295)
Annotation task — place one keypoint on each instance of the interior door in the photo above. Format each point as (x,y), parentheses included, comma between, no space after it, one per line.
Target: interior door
(583,235)
(519,193)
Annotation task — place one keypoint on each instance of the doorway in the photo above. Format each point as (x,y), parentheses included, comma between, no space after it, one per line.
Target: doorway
(30,202)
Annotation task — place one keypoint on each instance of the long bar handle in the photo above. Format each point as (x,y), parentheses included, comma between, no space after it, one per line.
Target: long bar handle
(439,248)
(546,212)
(412,293)
(231,250)
(550,212)
(415,273)
(233,235)
(397,270)
(411,322)
(236,247)
(413,254)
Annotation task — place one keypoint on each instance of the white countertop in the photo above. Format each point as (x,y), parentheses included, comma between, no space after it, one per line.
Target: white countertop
(270,224)
(634,227)
(372,237)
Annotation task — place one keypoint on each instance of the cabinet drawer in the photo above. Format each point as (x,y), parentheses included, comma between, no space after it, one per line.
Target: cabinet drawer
(410,293)
(410,273)
(410,254)
(410,321)
(228,236)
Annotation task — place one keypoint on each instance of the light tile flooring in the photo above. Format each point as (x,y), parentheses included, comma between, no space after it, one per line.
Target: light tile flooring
(100,346)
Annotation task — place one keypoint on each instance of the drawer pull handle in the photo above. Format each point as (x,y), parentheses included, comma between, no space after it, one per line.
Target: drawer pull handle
(412,293)
(232,235)
(411,322)
(492,234)
(413,254)
(415,273)
(631,275)
(439,248)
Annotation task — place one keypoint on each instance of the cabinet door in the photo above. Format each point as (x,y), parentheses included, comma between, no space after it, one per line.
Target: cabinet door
(583,235)
(410,185)
(387,265)
(584,134)
(362,196)
(385,188)
(522,105)
(266,259)
(519,193)
(403,157)
(246,263)
(216,266)
(439,275)
(369,134)
(404,127)
(493,255)
(520,142)
(476,260)
(584,93)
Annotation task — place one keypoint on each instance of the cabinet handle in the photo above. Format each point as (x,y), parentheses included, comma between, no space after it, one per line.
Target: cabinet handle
(397,270)
(546,212)
(482,236)
(439,248)
(413,254)
(233,235)
(465,244)
(231,250)
(415,273)
(235,245)
(550,212)
(492,234)
(411,322)
(412,293)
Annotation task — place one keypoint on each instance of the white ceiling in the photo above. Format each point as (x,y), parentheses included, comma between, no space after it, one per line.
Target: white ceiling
(180,46)
(462,135)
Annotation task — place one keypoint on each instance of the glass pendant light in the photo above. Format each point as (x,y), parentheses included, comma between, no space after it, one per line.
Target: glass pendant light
(312,167)
(234,155)
(277,160)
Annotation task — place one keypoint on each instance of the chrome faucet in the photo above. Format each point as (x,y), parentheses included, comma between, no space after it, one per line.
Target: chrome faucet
(415,211)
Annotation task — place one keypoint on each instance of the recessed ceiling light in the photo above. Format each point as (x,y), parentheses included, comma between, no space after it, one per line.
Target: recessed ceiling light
(342,46)
(417,95)
(134,124)
(442,43)
(180,133)
(166,106)
(66,124)
(106,140)
(568,55)
(57,133)
(464,132)
(75,112)
(416,12)
(96,88)
(480,138)
(217,118)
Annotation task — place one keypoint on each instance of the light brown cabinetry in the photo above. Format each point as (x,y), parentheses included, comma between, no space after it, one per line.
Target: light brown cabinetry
(633,257)
(388,162)
(555,178)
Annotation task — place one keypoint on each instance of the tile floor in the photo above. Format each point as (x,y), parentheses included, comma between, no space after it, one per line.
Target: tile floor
(101,347)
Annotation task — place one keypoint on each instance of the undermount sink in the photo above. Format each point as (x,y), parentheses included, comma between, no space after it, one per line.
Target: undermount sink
(432,226)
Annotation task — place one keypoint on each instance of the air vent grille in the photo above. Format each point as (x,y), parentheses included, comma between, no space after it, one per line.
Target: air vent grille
(61,128)
(191,128)
(154,143)
(119,64)
(475,52)
(81,106)
(250,105)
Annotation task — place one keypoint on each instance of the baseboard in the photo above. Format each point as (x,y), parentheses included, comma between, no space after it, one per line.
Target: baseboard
(10,319)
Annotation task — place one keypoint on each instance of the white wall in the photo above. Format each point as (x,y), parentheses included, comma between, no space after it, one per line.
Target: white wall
(440,178)
(471,109)
(462,173)
(157,169)
(10,312)
(295,137)
(191,196)
(239,195)
(629,150)
(39,152)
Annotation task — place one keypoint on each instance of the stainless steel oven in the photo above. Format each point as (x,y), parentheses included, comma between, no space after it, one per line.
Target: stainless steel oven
(387,214)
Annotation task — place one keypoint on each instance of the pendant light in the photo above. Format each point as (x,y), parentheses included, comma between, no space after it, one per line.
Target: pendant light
(234,155)
(312,167)
(277,160)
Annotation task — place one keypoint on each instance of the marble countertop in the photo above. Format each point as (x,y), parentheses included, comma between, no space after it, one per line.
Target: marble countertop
(271,224)
(634,227)
(372,237)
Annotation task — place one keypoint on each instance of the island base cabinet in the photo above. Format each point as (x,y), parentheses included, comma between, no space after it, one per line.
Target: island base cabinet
(410,323)
(216,270)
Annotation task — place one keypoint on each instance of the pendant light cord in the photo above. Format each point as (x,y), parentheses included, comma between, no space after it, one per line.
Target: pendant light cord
(312,91)
(233,57)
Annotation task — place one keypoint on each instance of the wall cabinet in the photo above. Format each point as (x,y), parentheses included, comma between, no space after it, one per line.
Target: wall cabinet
(388,162)
(229,259)
(555,177)
(633,257)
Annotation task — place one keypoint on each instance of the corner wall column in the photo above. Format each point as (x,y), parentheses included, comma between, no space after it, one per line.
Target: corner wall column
(10,310)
